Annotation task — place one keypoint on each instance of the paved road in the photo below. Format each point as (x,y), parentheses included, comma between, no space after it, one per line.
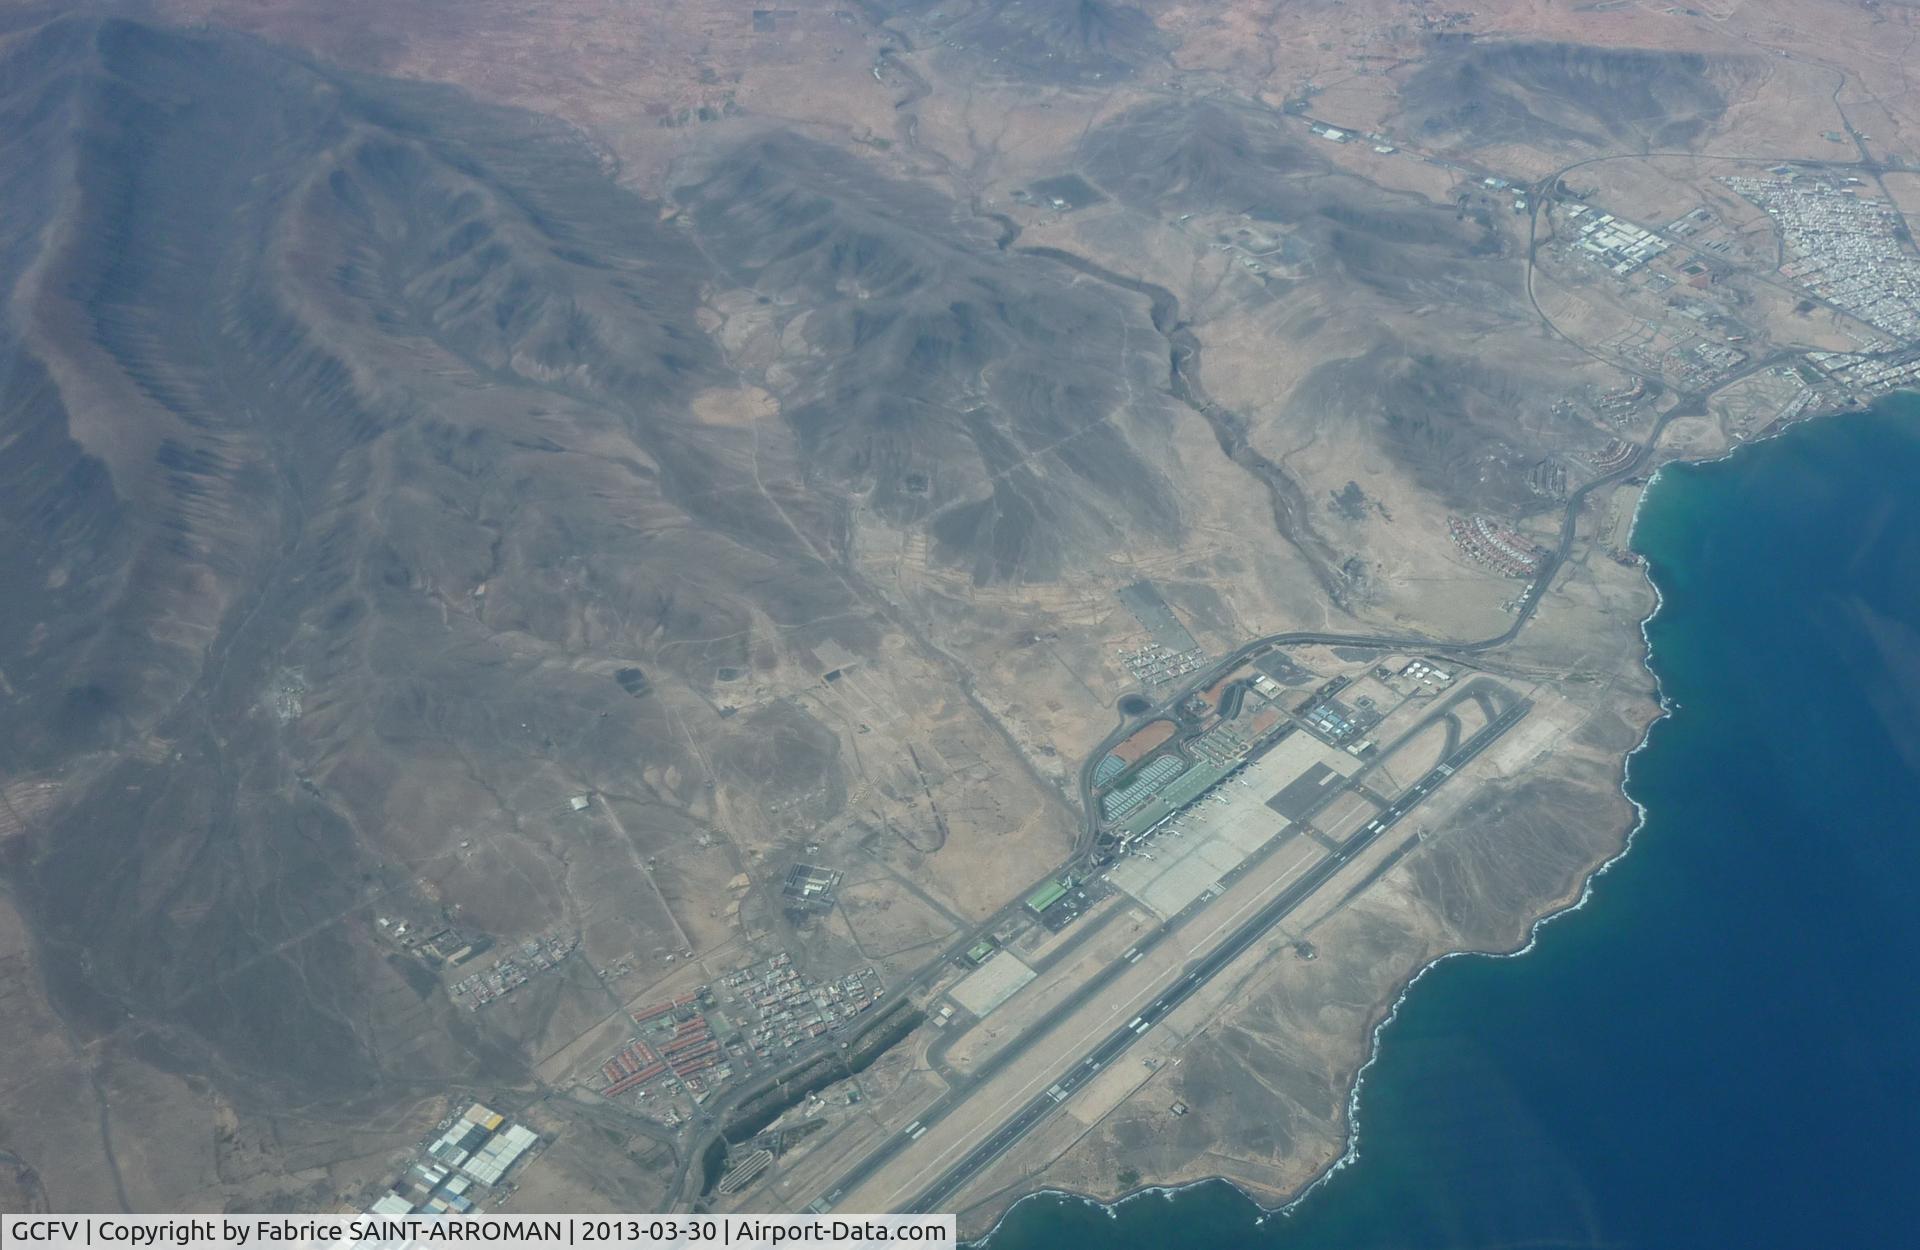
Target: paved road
(715,1113)
(1201,972)
(1690,404)
(1115,1044)
(1081,994)
(1197,975)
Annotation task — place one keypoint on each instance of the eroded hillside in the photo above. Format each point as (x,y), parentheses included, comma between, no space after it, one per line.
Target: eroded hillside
(536,484)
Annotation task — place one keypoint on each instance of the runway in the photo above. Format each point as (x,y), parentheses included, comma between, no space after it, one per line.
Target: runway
(1117,1042)
(1189,981)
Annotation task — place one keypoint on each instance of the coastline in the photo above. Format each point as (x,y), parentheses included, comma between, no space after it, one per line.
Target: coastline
(1573,901)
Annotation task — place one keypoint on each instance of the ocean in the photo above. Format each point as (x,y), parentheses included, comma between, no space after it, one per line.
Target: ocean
(1722,1048)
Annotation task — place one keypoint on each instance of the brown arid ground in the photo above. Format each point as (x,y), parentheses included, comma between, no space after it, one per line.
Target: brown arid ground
(542,471)
(1250,1081)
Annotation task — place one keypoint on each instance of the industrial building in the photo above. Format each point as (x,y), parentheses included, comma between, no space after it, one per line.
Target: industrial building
(1046,896)
(482,1145)
(495,1159)
(478,1147)
(808,885)
(1616,243)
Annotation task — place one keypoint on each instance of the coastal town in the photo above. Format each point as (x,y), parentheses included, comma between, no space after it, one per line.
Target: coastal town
(1167,849)
(1176,831)
(871,608)
(1843,245)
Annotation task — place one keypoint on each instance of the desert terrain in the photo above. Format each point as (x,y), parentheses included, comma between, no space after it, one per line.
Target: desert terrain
(557,542)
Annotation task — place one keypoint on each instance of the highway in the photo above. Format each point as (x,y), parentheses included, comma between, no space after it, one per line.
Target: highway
(1166,311)
(1183,384)
(1065,1007)
(1209,965)
(1190,981)
(1166,314)
(1116,1043)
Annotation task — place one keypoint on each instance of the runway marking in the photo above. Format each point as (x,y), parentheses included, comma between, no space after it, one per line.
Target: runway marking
(1391,815)
(1300,866)
(997,1122)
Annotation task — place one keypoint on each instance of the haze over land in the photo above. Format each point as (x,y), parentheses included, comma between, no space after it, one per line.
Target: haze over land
(517,483)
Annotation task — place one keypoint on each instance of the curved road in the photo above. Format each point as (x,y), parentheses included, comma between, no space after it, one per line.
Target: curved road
(1184,383)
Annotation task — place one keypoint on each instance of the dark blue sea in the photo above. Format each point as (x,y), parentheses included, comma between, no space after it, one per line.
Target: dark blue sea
(1722,1048)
